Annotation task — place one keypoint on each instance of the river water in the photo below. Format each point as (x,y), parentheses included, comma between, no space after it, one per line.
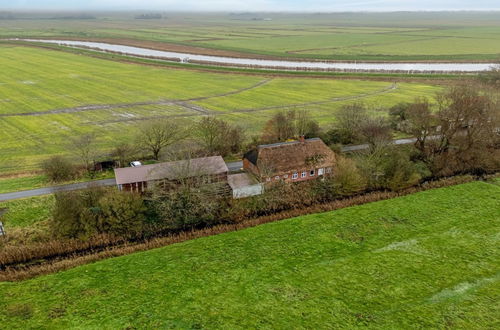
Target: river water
(279,64)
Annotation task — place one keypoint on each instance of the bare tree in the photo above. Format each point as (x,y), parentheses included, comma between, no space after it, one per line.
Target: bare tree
(84,147)
(218,137)
(288,125)
(155,136)
(375,131)
(349,120)
(461,135)
(123,153)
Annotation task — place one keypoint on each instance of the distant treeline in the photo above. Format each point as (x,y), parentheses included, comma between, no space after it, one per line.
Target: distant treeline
(11,16)
(7,15)
(149,16)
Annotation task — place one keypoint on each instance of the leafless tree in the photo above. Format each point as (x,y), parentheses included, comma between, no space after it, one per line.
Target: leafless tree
(218,137)
(289,125)
(349,121)
(155,136)
(123,153)
(84,147)
(461,135)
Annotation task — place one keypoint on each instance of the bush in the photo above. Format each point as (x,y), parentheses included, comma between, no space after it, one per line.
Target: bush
(121,214)
(86,213)
(347,177)
(187,208)
(59,169)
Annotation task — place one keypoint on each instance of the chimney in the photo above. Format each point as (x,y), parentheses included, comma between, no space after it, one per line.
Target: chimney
(302,138)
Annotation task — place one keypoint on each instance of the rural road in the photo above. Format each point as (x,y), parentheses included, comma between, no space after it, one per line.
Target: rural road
(51,190)
(233,167)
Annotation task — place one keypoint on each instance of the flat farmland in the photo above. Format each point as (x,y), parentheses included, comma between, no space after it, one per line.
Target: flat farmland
(438,36)
(48,96)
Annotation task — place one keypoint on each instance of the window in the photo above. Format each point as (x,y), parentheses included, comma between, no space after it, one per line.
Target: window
(268,179)
(328,170)
(312,173)
(277,177)
(304,174)
(321,171)
(295,176)
(285,176)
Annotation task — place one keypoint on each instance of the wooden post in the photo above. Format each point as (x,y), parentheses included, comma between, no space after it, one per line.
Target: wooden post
(2,230)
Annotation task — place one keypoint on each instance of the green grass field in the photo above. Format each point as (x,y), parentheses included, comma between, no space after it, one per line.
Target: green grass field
(343,36)
(428,260)
(27,212)
(42,92)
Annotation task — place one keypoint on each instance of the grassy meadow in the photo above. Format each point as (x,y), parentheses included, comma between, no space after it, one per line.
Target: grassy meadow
(428,260)
(343,36)
(24,213)
(45,97)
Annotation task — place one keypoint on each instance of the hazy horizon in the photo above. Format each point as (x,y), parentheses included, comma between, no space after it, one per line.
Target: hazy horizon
(254,6)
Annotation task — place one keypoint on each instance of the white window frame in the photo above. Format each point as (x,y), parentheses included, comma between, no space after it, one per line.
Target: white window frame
(304,174)
(321,171)
(277,177)
(285,176)
(295,176)
(328,170)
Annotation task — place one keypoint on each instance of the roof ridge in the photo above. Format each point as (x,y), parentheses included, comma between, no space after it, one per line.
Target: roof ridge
(279,144)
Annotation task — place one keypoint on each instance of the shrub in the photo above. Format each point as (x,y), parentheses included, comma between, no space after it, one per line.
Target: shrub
(121,214)
(185,209)
(84,214)
(347,177)
(58,169)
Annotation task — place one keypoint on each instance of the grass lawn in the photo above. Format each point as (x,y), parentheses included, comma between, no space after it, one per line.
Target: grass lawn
(26,212)
(22,183)
(41,90)
(429,260)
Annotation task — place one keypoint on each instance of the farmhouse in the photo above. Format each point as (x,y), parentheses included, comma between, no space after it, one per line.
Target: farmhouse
(290,161)
(138,179)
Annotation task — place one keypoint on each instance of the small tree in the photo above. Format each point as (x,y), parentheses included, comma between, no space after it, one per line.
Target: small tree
(121,214)
(59,169)
(84,147)
(124,153)
(375,131)
(289,125)
(155,136)
(347,177)
(218,137)
(349,120)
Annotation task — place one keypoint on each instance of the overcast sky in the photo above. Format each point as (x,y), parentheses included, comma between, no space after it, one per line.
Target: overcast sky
(256,5)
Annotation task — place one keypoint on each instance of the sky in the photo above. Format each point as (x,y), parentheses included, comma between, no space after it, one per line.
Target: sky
(255,5)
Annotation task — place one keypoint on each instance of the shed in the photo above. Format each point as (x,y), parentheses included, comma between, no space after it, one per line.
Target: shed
(244,185)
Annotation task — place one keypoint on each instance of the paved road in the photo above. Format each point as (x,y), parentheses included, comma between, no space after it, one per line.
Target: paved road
(233,167)
(51,190)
